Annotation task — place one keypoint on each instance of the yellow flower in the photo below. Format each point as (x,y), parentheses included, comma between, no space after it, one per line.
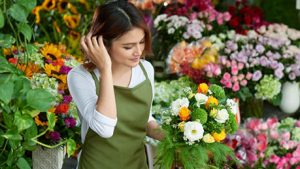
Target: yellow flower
(181,126)
(50,69)
(211,101)
(62,5)
(184,113)
(41,119)
(51,52)
(203,88)
(49,4)
(36,12)
(213,113)
(208,138)
(206,43)
(6,51)
(219,136)
(62,78)
(84,2)
(72,21)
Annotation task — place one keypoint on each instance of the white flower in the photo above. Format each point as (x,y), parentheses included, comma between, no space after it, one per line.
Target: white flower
(177,104)
(193,131)
(171,31)
(222,116)
(200,98)
(159,18)
(233,106)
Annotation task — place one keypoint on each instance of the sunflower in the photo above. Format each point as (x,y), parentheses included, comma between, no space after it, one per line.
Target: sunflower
(72,21)
(51,69)
(49,4)
(41,119)
(36,12)
(73,39)
(29,69)
(62,5)
(84,2)
(51,52)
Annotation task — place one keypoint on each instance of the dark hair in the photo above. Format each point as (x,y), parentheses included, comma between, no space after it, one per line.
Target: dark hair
(114,19)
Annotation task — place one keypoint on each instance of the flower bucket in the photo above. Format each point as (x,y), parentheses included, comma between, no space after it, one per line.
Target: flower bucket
(46,158)
(252,108)
(290,97)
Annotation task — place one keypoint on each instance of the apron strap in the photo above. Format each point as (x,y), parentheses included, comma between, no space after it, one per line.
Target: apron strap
(143,69)
(96,81)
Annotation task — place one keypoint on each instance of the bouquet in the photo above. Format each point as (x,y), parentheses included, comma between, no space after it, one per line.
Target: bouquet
(269,143)
(194,127)
(47,66)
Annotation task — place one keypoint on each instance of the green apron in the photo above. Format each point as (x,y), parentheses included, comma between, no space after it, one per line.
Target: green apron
(125,149)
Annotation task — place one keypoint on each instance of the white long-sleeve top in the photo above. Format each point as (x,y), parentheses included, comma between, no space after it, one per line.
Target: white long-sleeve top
(83,90)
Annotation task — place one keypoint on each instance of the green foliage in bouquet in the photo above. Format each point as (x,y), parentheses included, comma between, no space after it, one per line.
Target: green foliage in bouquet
(195,125)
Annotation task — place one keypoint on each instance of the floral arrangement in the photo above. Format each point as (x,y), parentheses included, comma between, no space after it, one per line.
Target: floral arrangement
(63,21)
(195,125)
(172,29)
(267,143)
(245,17)
(257,65)
(47,66)
(190,59)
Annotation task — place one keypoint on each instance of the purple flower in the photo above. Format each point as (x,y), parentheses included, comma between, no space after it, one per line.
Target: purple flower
(256,75)
(55,136)
(264,61)
(278,73)
(274,64)
(67,99)
(70,122)
(64,69)
(260,48)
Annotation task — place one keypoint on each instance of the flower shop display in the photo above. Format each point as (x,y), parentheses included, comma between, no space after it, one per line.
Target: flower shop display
(269,143)
(195,125)
(47,65)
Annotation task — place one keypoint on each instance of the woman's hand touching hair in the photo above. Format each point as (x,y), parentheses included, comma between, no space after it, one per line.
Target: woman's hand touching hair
(95,51)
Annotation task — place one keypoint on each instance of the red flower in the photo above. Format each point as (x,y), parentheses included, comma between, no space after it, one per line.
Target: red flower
(62,108)
(13,61)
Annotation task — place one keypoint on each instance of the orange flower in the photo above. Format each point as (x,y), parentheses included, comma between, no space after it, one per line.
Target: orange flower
(219,136)
(62,108)
(50,69)
(41,119)
(184,113)
(29,69)
(72,21)
(62,78)
(203,88)
(84,2)
(62,6)
(211,101)
(6,51)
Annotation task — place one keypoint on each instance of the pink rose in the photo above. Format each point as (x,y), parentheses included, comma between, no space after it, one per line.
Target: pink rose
(240,66)
(234,70)
(227,76)
(236,87)
(228,84)
(241,77)
(249,76)
(227,16)
(234,79)
(244,82)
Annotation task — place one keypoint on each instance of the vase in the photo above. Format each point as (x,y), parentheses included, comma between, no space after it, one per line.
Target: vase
(46,158)
(252,107)
(290,97)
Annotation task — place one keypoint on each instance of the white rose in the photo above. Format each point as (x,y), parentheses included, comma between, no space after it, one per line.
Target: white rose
(177,104)
(193,131)
(222,116)
(233,106)
(201,99)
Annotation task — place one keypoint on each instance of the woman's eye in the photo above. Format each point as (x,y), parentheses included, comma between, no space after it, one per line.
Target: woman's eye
(127,48)
(142,42)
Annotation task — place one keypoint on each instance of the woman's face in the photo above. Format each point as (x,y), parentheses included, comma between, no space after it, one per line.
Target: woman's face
(127,50)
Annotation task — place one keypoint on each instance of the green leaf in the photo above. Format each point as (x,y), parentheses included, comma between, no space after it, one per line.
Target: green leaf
(23,121)
(6,40)
(23,164)
(2,21)
(28,4)
(39,99)
(71,147)
(6,91)
(30,132)
(8,119)
(10,158)
(29,145)
(12,134)
(1,138)
(30,49)
(26,30)
(51,120)
(18,12)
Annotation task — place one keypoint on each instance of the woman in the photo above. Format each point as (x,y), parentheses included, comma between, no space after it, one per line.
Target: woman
(113,90)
